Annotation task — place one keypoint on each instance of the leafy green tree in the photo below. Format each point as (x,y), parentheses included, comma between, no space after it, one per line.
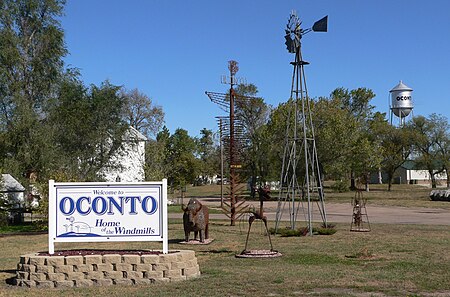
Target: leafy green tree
(253,115)
(156,152)
(357,103)
(430,135)
(141,113)
(444,155)
(275,132)
(88,128)
(31,52)
(397,145)
(208,155)
(182,165)
(366,159)
(154,160)
(394,144)
(335,140)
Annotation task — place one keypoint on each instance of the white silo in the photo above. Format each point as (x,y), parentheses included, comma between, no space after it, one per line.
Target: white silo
(401,102)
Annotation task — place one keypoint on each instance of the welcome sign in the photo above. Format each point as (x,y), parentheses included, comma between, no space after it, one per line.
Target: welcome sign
(94,212)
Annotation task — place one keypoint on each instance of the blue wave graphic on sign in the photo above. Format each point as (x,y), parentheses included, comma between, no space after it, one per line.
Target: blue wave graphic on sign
(75,234)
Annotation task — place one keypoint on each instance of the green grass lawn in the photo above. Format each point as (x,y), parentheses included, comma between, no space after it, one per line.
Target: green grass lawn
(394,260)
(22,228)
(390,260)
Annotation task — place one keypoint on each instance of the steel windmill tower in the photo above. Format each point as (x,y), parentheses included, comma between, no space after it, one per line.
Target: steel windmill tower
(300,180)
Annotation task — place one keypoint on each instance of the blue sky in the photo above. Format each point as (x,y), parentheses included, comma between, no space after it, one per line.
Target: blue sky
(174,51)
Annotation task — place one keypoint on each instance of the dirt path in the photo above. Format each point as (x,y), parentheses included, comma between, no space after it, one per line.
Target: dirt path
(342,213)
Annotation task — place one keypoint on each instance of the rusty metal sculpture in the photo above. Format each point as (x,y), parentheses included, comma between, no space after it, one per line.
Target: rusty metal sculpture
(196,219)
(360,219)
(259,215)
(231,131)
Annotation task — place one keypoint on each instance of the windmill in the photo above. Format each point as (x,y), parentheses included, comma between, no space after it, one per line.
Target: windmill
(300,179)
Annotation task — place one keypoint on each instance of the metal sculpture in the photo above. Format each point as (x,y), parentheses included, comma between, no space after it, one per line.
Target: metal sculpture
(259,215)
(360,219)
(300,141)
(232,137)
(196,219)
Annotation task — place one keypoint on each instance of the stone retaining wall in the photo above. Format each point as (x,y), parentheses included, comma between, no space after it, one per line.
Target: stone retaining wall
(104,270)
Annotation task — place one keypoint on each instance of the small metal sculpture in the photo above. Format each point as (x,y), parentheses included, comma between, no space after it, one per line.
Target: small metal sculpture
(259,215)
(359,218)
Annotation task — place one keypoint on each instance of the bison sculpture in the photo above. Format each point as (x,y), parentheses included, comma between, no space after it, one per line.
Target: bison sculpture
(195,219)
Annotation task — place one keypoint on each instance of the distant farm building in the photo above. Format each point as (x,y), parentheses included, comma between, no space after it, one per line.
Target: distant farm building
(410,173)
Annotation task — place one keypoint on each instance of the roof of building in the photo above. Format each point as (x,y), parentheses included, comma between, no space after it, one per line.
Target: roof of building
(132,134)
(413,165)
(401,87)
(10,184)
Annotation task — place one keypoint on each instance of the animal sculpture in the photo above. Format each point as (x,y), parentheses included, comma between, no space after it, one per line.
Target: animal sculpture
(195,219)
(259,215)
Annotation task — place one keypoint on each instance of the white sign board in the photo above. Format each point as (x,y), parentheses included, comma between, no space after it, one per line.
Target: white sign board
(94,212)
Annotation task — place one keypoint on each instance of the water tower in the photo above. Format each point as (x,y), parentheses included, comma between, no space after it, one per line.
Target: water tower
(401,102)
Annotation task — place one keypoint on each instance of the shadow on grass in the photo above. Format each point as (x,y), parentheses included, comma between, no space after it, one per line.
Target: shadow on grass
(220,251)
(23,233)
(175,240)
(10,280)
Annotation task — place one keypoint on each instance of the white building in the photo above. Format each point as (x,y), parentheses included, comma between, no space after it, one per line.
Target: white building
(129,160)
(11,191)
(409,173)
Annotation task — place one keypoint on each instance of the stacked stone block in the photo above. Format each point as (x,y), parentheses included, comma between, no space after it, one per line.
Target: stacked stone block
(104,270)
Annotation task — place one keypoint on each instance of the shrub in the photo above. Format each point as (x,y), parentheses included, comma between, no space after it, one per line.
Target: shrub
(340,186)
(3,218)
(326,231)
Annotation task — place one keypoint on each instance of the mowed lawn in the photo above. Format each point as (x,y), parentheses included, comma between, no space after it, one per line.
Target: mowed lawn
(390,260)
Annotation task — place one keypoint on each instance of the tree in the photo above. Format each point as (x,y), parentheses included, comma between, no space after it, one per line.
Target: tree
(155,156)
(396,143)
(182,166)
(276,137)
(31,52)
(366,158)
(88,128)
(154,160)
(141,114)
(430,137)
(253,115)
(208,155)
(357,104)
(335,137)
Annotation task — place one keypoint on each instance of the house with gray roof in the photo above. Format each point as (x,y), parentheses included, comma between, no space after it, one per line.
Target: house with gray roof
(12,193)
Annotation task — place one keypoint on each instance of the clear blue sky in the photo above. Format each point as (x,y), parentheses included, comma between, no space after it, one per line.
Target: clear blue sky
(174,51)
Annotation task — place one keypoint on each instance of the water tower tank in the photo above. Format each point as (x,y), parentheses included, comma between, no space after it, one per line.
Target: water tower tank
(401,100)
